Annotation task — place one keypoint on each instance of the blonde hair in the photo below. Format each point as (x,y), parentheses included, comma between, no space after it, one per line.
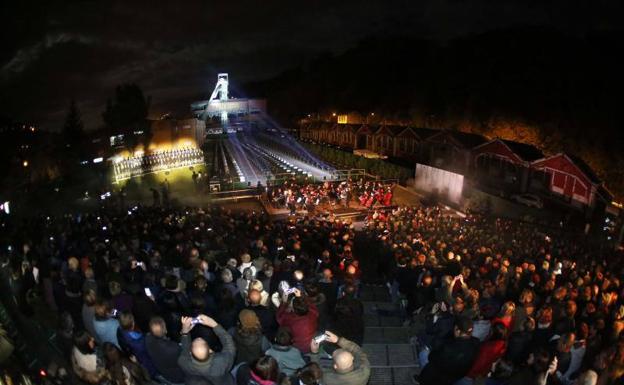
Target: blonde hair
(73,263)
(256,285)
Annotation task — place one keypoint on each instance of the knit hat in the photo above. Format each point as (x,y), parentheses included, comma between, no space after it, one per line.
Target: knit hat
(248,319)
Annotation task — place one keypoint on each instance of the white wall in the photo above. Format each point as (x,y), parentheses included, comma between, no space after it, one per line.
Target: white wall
(448,184)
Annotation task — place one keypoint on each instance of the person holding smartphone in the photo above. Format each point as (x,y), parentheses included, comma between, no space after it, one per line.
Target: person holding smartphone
(198,360)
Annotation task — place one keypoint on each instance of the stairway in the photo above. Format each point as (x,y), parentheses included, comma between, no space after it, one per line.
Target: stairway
(393,359)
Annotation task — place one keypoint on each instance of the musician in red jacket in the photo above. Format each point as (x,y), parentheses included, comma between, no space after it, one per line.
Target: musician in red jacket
(301,316)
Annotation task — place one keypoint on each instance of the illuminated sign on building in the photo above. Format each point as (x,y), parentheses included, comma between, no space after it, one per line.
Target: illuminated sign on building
(343,119)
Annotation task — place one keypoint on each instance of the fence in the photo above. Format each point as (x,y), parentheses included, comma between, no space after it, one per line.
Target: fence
(337,175)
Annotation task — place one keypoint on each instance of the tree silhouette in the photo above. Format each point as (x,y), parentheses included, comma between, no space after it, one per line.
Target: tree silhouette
(73,133)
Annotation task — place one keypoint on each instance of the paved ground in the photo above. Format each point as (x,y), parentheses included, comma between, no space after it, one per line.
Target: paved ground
(387,343)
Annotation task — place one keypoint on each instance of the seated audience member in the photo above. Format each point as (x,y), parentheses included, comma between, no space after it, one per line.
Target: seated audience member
(104,324)
(257,285)
(349,316)
(248,338)
(301,318)
(123,370)
(132,342)
(350,362)
(288,357)
(452,360)
(88,311)
(246,263)
(309,374)
(489,351)
(85,362)
(163,353)
(120,300)
(261,371)
(199,360)
(265,314)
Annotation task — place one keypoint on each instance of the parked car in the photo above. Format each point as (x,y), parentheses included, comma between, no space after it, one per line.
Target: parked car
(528,200)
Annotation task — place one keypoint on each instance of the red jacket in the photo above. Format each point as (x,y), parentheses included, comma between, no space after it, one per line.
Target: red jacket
(302,327)
(489,352)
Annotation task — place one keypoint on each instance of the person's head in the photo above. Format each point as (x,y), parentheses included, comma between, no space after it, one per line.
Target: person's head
(570,308)
(111,353)
(114,288)
(266,368)
(508,309)
(73,264)
(566,342)
(126,321)
(427,279)
(300,306)
(171,282)
(349,291)
(327,274)
(88,273)
(158,327)
(254,297)
(545,316)
(232,263)
(588,377)
(527,296)
(248,322)
(283,337)
(90,297)
(198,303)
(84,342)
(247,274)
(102,309)
(529,324)
(200,349)
(310,374)
(245,258)
(226,276)
(463,327)
(458,305)
(256,285)
(343,361)
(539,360)
(201,282)
(498,331)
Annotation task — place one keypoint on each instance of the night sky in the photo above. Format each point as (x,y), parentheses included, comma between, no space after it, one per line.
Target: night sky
(54,51)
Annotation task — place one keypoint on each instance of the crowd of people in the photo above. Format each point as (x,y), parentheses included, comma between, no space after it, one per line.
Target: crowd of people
(329,195)
(157,161)
(215,297)
(502,302)
(174,296)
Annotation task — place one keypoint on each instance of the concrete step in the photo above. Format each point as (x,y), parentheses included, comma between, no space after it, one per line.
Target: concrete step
(392,376)
(377,293)
(391,355)
(381,314)
(386,335)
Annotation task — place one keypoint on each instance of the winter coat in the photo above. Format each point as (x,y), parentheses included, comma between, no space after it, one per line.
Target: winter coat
(489,352)
(249,346)
(133,342)
(289,358)
(303,327)
(217,367)
(361,366)
(164,355)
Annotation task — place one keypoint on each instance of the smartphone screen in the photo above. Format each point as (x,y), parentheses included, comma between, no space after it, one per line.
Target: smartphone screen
(148,292)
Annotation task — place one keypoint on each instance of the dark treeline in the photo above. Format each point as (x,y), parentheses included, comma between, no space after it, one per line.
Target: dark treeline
(536,85)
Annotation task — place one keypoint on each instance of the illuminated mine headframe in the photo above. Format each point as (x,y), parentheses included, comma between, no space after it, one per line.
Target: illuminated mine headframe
(220,105)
